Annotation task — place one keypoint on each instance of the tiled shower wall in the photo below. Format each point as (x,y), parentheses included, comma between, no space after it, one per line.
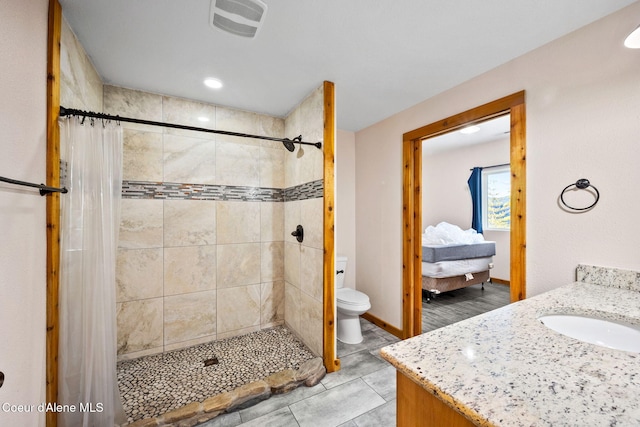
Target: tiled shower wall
(303,273)
(80,84)
(201,250)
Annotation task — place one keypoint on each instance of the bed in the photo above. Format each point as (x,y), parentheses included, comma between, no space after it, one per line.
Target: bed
(449,267)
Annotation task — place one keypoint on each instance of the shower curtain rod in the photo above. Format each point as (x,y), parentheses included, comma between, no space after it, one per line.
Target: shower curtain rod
(44,189)
(288,142)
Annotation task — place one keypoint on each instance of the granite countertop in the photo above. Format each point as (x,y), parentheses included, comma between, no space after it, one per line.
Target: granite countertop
(505,368)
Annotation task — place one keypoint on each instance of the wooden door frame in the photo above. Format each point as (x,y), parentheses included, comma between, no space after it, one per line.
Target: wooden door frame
(412,201)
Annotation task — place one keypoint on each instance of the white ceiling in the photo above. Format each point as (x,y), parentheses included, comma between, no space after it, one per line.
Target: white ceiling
(489,130)
(383,55)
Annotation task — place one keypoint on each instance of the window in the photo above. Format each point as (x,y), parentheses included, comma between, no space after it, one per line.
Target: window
(496,198)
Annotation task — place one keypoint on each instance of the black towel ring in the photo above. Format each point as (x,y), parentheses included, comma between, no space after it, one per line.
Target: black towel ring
(581,184)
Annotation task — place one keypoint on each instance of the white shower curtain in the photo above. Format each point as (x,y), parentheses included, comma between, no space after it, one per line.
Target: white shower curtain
(91,153)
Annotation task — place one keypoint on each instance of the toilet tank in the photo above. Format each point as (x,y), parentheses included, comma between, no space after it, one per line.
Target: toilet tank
(341,265)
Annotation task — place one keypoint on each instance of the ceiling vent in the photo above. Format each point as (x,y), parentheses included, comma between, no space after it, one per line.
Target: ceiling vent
(240,17)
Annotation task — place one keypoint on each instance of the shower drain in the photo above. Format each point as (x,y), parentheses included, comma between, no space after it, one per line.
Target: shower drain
(211,361)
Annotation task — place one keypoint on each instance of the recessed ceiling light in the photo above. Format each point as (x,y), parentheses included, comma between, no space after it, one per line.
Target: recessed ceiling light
(203,119)
(213,83)
(633,40)
(470,129)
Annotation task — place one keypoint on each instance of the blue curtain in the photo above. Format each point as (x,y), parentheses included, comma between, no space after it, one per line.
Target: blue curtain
(475,185)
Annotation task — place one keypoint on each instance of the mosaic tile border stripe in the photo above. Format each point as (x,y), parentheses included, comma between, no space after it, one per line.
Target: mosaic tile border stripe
(308,190)
(180,191)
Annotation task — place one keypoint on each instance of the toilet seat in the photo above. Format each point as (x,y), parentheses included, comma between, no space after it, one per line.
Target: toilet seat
(351,297)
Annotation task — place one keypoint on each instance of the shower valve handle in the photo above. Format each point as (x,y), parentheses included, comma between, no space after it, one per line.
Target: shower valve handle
(340,272)
(298,233)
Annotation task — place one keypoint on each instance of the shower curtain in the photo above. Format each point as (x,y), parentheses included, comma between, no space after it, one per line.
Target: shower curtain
(91,153)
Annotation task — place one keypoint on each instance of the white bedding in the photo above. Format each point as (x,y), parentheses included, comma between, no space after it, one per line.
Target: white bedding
(456,268)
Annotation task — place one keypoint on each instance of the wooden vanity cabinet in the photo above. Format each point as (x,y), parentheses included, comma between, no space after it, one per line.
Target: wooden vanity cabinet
(419,408)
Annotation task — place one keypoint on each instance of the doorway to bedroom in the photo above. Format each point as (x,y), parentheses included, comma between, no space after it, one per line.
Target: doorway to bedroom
(474,225)
(512,106)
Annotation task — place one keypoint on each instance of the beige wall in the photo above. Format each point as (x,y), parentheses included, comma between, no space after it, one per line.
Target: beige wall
(446,196)
(23,49)
(304,261)
(583,98)
(345,236)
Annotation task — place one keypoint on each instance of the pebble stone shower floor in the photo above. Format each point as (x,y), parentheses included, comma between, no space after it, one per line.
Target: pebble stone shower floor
(154,385)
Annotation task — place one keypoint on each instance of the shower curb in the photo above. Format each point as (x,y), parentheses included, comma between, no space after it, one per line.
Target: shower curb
(309,373)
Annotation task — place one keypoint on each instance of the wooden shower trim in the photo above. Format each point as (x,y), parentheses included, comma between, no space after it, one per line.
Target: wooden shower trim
(412,201)
(331,362)
(53,206)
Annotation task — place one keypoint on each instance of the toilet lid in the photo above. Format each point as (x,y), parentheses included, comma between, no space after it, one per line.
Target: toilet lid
(351,296)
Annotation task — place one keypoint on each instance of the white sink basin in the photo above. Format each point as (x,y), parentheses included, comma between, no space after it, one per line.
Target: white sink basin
(606,333)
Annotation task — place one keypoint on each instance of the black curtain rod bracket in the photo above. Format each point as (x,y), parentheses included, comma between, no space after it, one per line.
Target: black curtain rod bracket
(44,189)
(73,112)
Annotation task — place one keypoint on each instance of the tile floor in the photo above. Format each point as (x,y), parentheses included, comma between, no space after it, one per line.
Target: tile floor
(361,393)
(460,304)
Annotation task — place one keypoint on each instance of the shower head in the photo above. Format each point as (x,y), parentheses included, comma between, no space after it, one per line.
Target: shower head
(288,144)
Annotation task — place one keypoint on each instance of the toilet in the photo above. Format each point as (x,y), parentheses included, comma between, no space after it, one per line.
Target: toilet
(350,304)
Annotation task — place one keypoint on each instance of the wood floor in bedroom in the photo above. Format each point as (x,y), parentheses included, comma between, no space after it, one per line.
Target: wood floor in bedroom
(454,306)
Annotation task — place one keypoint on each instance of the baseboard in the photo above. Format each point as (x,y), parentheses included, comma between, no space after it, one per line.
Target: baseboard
(382,324)
(500,281)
